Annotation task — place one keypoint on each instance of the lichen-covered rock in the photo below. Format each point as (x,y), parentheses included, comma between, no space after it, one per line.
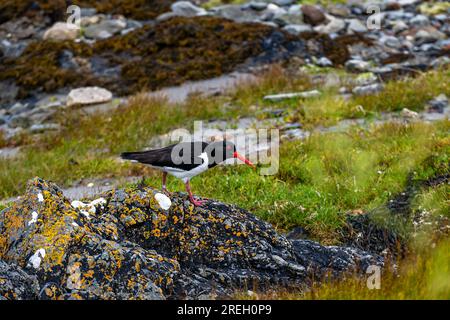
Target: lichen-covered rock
(136,244)
(15,284)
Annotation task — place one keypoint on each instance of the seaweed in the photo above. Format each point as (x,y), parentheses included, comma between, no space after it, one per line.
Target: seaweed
(56,9)
(154,56)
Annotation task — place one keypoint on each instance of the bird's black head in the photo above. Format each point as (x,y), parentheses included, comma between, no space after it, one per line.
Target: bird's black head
(220,151)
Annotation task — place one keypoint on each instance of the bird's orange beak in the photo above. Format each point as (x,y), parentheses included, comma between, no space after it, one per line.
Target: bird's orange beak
(243,159)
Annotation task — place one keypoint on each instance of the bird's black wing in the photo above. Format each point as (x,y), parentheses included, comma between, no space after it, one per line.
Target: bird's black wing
(183,155)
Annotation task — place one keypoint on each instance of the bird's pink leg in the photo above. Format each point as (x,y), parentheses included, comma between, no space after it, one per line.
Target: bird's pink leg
(196,203)
(164,179)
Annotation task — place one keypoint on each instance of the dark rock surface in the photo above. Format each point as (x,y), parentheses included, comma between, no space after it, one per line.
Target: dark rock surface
(16,284)
(126,246)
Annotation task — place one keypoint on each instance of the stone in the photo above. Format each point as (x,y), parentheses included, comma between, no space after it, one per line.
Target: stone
(419,21)
(236,13)
(105,29)
(258,6)
(128,247)
(367,89)
(324,62)
(333,26)
(339,10)
(406,113)
(282,3)
(16,284)
(428,35)
(297,29)
(290,19)
(187,9)
(391,42)
(313,15)
(357,65)
(438,104)
(399,26)
(39,128)
(88,95)
(284,96)
(61,31)
(356,26)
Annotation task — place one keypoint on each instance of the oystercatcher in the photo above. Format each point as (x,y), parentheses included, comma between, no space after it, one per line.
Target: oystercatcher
(185,160)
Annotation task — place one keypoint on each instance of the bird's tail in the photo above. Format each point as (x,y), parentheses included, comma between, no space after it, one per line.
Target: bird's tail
(136,156)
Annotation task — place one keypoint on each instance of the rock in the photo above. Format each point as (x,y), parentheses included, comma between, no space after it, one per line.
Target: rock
(38,128)
(187,9)
(297,29)
(357,65)
(356,26)
(124,245)
(105,29)
(419,21)
(88,95)
(313,15)
(282,3)
(368,89)
(237,14)
(61,31)
(284,96)
(16,284)
(438,104)
(258,6)
(399,26)
(390,41)
(287,19)
(428,35)
(339,10)
(406,113)
(324,62)
(334,26)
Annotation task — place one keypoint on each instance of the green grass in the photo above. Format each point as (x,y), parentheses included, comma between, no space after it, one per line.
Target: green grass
(423,275)
(328,175)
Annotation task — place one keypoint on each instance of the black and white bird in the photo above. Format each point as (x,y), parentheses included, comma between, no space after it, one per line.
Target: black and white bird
(185,160)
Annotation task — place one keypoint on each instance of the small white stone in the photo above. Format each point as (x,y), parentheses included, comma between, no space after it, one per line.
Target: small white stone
(90,185)
(40,197)
(36,259)
(163,201)
(34,216)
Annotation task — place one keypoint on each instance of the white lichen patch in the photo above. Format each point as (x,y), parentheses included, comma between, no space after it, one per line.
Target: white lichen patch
(40,197)
(88,208)
(34,216)
(163,201)
(36,259)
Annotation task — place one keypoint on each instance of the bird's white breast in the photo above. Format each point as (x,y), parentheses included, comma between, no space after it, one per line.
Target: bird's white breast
(185,175)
